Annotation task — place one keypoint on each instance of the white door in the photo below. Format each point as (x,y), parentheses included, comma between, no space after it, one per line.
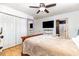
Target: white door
(8,24)
(13,29)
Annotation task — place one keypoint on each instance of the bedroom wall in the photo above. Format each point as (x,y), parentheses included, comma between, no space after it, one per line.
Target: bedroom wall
(73,22)
(14,24)
(38,25)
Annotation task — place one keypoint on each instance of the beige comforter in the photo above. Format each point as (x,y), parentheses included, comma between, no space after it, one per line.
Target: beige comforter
(44,45)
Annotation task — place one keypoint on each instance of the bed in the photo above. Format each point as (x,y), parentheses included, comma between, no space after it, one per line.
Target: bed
(48,45)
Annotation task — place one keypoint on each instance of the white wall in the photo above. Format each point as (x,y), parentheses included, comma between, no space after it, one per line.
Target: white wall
(73,22)
(30,31)
(38,25)
(14,24)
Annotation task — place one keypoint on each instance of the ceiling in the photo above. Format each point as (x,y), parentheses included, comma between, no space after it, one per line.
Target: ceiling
(58,9)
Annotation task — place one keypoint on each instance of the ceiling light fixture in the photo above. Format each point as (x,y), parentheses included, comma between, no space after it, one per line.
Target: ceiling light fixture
(42,9)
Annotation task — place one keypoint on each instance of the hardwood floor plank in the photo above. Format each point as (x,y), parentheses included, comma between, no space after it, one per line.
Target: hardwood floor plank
(13,51)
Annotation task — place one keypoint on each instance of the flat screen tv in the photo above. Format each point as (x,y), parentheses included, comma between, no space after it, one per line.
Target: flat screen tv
(48,24)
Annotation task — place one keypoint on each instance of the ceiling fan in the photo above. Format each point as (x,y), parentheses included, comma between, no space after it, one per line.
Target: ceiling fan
(42,7)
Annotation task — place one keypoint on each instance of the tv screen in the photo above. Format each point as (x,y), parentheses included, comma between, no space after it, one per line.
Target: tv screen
(48,24)
(31,25)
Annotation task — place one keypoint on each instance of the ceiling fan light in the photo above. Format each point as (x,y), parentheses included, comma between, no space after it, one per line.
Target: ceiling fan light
(42,9)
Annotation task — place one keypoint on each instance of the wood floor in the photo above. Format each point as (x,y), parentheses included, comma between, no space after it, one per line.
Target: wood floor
(13,51)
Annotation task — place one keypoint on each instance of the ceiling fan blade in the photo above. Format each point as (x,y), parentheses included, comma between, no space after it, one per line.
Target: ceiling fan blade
(33,6)
(46,11)
(50,5)
(38,11)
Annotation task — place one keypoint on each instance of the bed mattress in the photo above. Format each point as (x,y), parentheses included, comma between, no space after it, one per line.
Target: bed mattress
(47,45)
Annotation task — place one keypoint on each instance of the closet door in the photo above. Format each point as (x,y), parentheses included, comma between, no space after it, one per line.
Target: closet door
(13,29)
(8,24)
(21,29)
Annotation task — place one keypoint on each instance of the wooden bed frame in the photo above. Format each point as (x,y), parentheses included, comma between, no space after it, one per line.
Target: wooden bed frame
(23,39)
